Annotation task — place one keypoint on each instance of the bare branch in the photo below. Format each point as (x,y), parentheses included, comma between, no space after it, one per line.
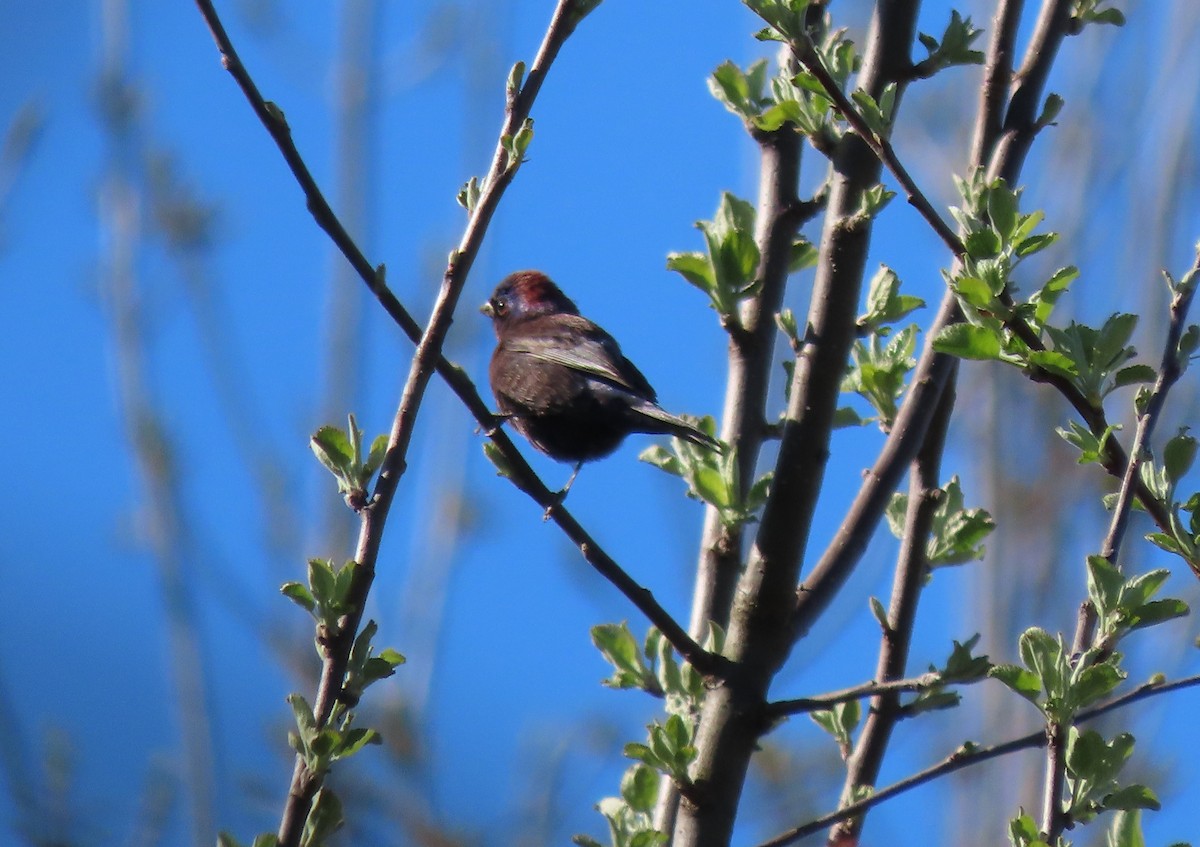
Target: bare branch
(873,688)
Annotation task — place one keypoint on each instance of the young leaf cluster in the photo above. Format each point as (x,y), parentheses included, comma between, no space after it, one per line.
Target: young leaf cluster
(341,453)
(956,534)
(878,364)
(1093,766)
(953,49)
(630,816)
(1084,12)
(1048,678)
(711,477)
(326,595)
(1183,537)
(1123,605)
(668,749)
(725,271)
(877,370)
(1095,361)
(653,667)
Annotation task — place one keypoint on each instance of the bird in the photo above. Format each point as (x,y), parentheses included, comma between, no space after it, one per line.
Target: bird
(563,382)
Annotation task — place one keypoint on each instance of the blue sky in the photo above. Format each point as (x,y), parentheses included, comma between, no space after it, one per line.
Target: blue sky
(629,151)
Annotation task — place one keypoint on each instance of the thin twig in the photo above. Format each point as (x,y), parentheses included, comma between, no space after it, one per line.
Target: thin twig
(912,567)
(969,755)
(872,688)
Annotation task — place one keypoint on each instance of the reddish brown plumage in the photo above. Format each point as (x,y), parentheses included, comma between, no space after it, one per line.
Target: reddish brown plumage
(563,381)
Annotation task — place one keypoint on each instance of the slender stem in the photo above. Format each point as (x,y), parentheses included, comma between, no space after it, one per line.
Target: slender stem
(1054,818)
(912,567)
(872,688)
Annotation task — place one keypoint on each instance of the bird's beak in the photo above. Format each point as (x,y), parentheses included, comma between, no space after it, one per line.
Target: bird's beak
(487,309)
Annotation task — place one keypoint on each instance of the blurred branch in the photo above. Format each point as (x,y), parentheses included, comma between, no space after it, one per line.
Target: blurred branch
(19,141)
(120,214)
(968,755)
(356,74)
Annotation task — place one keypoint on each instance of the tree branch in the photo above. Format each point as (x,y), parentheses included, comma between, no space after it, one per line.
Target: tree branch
(426,360)
(517,468)
(1054,818)
(933,369)
(997,75)
(758,637)
(912,568)
(872,688)
(969,755)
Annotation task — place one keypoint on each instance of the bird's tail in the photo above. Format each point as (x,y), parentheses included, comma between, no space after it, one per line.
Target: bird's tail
(655,419)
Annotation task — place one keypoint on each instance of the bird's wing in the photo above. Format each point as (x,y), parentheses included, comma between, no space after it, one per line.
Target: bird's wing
(588,349)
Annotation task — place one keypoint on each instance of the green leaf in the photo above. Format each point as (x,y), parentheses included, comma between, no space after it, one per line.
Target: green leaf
(962,666)
(1134,374)
(468,195)
(695,268)
(968,341)
(1126,829)
(375,457)
(1018,680)
(1053,362)
(516,77)
(1095,683)
(618,646)
(1091,448)
(639,788)
(299,595)
(333,449)
(1132,797)
(1002,210)
(1156,612)
(1178,456)
(321,581)
(879,613)
(1104,584)
(355,740)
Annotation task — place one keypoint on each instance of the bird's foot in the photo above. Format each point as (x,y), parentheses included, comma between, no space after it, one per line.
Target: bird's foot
(556,500)
(498,420)
(559,496)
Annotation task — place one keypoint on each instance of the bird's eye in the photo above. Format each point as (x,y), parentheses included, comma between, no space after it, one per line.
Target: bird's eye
(500,307)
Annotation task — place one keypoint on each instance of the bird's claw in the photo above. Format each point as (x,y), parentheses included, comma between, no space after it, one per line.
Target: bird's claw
(556,499)
(498,420)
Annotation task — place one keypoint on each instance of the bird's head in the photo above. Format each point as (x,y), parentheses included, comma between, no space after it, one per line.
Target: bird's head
(526,294)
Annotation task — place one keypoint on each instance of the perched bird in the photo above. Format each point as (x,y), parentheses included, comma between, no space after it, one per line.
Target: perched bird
(563,381)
